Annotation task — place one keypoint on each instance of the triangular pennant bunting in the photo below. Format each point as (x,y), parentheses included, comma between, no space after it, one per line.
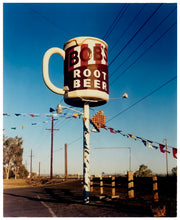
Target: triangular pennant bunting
(149,144)
(112,130)
(174,152)
(103,126)
(51,110)
(144,142)
(17,114)
(162,148)
(155,147)
(118,131)
(132,136)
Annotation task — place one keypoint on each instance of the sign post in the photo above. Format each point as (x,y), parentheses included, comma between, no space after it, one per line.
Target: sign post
(86,152)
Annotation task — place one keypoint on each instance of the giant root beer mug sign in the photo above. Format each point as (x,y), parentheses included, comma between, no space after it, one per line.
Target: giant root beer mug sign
(85,84)
(85,71)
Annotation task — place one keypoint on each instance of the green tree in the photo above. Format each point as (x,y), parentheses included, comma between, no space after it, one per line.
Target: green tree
(143,171)
(23,171)
(12,155)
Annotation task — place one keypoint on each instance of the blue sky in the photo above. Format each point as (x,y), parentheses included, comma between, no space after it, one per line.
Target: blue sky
(147,61)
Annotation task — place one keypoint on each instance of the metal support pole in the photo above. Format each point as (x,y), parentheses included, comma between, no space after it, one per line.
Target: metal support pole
(86,143)
(65,150)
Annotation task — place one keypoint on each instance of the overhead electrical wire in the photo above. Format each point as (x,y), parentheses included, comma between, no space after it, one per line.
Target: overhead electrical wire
(142,54)
(140,100)
(148,36)
(115,22)
(131,23)
(61,29)
(131,39)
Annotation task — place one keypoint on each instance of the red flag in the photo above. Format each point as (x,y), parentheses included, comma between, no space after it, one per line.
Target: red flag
(162,148)
(103,126)
(112,130)
(32,115)
(132,136)
(174,153)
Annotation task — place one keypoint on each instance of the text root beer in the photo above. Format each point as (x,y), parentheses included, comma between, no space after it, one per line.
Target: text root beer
(86,72)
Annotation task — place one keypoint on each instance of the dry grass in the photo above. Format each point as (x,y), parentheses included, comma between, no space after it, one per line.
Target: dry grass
(12,183)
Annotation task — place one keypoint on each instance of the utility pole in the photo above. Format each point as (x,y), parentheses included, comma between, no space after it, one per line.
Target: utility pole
(39,170)
(129,158)
(65,151)
(166,157)
(26,164)
(52,129)
(31,164)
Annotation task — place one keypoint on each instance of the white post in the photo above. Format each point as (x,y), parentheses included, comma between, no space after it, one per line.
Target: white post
(86,138)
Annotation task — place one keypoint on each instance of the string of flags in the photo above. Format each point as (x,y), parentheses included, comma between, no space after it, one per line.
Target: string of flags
(98,120)
(146,142)
(34,115)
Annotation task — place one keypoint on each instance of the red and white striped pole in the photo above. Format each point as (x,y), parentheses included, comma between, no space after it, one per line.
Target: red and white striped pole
(86,143)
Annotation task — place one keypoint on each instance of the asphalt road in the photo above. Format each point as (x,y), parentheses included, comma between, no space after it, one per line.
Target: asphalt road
(55,201)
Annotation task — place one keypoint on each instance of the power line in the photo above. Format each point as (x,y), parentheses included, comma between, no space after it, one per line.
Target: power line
(142,54)
(48,20)
(143,41)
(129,41)
(75,141)
(140,100)
(116,20)
(133,20)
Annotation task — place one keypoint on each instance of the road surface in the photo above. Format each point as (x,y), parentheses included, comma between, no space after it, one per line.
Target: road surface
(54,201)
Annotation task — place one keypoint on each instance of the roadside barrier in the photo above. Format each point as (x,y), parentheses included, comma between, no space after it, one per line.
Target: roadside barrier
(91,184)
(130,185)
(101,185)
(112,186)
(155,189)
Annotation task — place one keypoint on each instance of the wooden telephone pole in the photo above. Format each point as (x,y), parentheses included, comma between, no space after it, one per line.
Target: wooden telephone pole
(31,164)
(52,129)
(65,151)
(166,156)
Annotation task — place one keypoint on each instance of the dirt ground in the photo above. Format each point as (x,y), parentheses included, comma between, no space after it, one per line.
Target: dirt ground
(12,183)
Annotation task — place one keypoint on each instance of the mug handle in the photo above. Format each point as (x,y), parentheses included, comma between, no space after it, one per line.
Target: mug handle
(45,70)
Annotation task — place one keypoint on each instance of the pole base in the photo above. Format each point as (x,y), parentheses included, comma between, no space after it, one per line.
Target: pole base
(86,197)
